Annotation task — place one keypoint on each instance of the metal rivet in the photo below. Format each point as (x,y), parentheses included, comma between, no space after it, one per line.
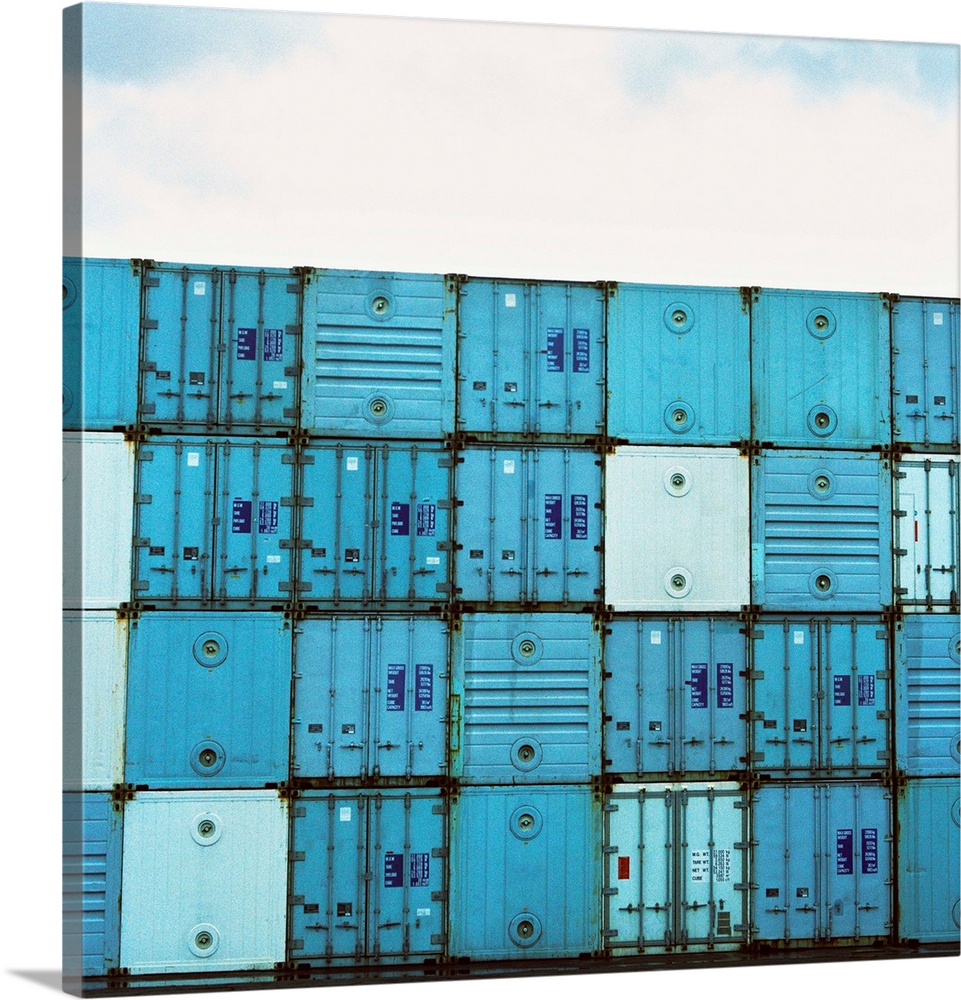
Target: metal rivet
(206,828)
(525,753)
(679,317)
(525,929)
(822,419)
(679,416)
(208,757)
(822,483)
(204,939)
(380,304)
(378,407)
(211,648)
(527,647)
(821,321)
(526,821)
(677,481)
(678,581)
(823,582)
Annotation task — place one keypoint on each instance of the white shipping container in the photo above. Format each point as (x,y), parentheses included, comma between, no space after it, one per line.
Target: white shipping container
(205,881)
(678,530)
(94,698)
(98,478)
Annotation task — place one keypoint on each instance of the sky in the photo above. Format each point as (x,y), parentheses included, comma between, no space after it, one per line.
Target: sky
(482,148)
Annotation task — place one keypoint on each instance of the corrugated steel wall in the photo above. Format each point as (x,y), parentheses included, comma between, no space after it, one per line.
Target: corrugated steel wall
(441,623)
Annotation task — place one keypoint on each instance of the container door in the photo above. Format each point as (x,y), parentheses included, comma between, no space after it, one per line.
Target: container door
(180,346)
(413,525)
(408,698)
(405,914)
(174,508)
(329,875)
(337,546)
(333,679)
(262,327)
(785,696)
(255,494)
(855,708)
(639,846)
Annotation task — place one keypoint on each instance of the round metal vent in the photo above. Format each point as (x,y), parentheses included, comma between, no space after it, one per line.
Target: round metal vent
(954,649)
(67,399)
(679,317)
(527,648)
(378,408)
(526,822)
(956,747)
(677,481)
(208,758)
(380,304)
(524,930)
(206,829)
(69,292)
(679,417)
(210,649)
(203,940)
(678,581)
(526,753)
(821,323)
(823,583)
(822,420)
(822,484)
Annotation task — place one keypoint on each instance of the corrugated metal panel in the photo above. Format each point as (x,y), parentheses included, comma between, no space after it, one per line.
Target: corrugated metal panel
(822,864)
(547,552)
(924,335)
(98,488)
(530,361)
(660,505)
(368,876)
(525,692)
(221,347)
(370,698)
(929,871)
(205,881)
(92,826)
(379,355)
(95,677)
(928,683)
(679,369)
(101,324)
(675,696)
(676,867)
(214,522)
(376,526)
(192,718)
(821,532)
(821,696)
(820,369)
(525,873)
(926,532)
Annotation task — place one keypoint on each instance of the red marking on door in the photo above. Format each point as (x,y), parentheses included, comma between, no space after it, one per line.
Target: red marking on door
(915,530)
(623,867)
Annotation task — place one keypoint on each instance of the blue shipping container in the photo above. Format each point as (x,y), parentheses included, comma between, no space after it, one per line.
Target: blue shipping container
(379,355)
(370,698)
(368,876)
(675,696)
(525,691)
(530,360)
(821,532)
(924,352)
(208,700)
(101,326)
(820,369)
(679,370)
(928,690)
(525,868)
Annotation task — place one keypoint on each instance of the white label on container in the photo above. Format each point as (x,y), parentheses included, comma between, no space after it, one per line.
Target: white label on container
(721,864)
(798,638)
(510,300)
(700,866)
(273,559)
(193,458)
(200,288)
(656,638)
(280,385)
(345,814)
(938,319)
(352,463)
(424,911)
(433,560)
(509,466)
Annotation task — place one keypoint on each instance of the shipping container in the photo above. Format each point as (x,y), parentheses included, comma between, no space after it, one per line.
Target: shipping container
(820,369)
(220,348)
(92,832)
(545,548)
(379,355)
(928,690)
(679,369)
(94,698)
(924,352)
(675,696)
(821,697)
(98,492)
(205,881)
(926,532)
(368,877)
(525,868)
(525,697)
(208,700)
(101,327)
(676,867)
(821,535)
(661,505)
(370,698)
(822,864)
(530,360)
(214,522)
(929,871)
(376,526)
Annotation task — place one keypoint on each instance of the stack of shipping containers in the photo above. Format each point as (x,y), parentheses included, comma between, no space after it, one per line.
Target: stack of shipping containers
(432,623)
